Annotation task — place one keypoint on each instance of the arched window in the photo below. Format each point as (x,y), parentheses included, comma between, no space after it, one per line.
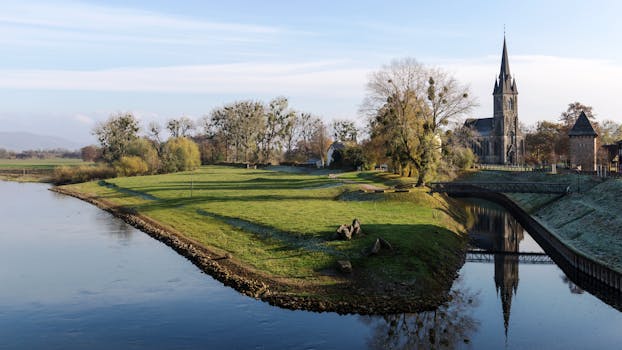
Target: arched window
(510,104)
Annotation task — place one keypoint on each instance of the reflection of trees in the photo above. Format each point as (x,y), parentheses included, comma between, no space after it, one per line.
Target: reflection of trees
(448,326)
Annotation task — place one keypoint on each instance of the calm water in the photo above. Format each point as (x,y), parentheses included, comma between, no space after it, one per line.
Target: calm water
(73,276)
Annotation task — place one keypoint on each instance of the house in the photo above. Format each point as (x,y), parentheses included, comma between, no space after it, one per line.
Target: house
(335,153)
(498,140)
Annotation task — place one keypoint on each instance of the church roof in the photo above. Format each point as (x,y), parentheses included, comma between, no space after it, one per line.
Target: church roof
(483,126)
(582,127)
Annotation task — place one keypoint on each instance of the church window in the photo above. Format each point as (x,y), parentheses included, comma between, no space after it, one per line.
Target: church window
(510,104)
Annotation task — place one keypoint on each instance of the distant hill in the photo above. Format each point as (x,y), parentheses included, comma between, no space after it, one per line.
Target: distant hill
(21,141)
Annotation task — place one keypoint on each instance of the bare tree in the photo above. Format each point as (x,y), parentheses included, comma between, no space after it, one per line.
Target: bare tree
(180,127)
(279,121)
(411,103)
(569,117)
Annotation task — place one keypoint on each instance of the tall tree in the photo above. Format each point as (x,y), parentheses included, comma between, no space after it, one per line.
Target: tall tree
(609,132)
(180,127)
(569,117)
(412,102)
(548,142)
(279,121)
(115,135)
(344,130)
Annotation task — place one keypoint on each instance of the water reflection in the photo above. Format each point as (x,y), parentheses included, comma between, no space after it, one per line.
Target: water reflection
(449,326)
(495,231)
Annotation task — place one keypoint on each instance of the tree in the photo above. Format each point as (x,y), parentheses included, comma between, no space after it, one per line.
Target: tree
(408,104)
(180,154)
(145,150)
(90,153)
(320,141)
(569,117)
(609,132)
(548,143)
(344,130)
(115,134)
(279,121)
(180,127)
(457,152)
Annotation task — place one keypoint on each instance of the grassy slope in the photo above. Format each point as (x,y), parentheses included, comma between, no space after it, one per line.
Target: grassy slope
(282,223)
(590,221)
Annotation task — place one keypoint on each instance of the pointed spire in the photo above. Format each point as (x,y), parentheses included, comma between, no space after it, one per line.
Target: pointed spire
(582,127)
(505,62)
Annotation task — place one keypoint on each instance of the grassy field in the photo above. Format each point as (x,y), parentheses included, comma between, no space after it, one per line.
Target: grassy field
(283,224)
(38,163)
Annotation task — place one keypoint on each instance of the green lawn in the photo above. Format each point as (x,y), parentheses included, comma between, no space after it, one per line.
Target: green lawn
(283,223)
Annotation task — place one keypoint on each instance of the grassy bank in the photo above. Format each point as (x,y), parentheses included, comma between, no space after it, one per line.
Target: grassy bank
(281,225)
(34,170)
(589,221)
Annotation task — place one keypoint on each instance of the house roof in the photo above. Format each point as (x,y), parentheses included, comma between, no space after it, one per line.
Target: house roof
(483,126)
(582,127)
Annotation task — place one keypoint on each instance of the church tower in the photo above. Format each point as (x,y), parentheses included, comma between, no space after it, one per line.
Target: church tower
(508,144)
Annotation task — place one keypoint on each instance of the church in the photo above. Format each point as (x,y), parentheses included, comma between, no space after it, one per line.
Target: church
(498,140)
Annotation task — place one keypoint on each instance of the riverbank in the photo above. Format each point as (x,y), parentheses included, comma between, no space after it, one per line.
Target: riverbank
(588,221)
(270,235)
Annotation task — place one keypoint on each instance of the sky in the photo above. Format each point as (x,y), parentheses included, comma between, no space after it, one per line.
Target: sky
(66,65)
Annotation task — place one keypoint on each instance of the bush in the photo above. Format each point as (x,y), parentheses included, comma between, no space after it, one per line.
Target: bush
(64,175)
(463,158)
(145,149)
(131,166)
(180,154)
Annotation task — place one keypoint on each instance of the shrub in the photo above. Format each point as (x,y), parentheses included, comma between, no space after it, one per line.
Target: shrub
(145,149)
(68,175)
(180,154)
(131,166)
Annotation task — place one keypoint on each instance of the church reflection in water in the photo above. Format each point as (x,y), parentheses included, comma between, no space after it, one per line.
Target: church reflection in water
(497,232)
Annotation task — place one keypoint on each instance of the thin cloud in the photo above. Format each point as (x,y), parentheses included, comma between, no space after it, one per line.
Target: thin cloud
(323,78)
(67,23)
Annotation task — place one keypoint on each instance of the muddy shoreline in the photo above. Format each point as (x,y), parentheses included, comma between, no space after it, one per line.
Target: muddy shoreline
(344,298)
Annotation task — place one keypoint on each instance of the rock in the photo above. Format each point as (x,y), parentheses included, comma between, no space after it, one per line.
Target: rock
(343,232)
(344,266)
(356,227)
(375,248)
(384,244)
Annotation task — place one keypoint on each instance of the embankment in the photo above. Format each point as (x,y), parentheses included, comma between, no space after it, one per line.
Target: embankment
(344,297)
(581,231)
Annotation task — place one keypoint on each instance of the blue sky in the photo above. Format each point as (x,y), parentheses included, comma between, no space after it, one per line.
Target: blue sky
(67,64)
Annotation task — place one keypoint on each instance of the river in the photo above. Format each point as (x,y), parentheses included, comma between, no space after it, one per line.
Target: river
(74,277)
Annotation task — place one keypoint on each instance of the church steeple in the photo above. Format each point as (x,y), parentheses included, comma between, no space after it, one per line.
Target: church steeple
(505,83)
(505,62)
